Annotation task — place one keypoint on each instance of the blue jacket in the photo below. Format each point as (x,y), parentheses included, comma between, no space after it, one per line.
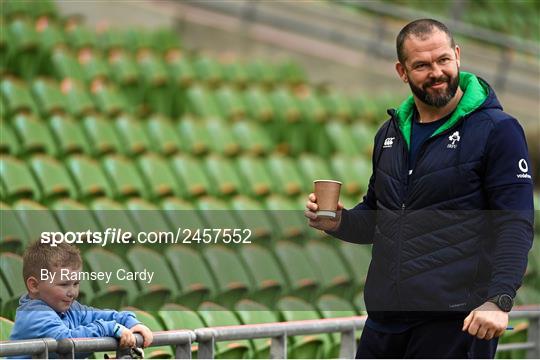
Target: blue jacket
(457,230)
(35,319)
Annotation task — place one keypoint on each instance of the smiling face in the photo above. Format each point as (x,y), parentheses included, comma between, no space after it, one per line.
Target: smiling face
(431,68)
(59,294)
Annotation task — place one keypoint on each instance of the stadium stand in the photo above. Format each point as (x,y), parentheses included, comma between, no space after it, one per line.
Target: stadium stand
(126,129)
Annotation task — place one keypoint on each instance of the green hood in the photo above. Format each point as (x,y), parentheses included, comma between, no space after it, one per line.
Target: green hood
(475,92)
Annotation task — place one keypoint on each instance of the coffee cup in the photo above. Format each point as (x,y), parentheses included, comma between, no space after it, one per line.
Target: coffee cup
(327,194)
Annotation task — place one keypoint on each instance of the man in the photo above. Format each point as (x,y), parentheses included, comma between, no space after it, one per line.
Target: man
(449,210)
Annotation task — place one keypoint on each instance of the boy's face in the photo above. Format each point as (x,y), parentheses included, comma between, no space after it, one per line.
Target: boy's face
(60,293)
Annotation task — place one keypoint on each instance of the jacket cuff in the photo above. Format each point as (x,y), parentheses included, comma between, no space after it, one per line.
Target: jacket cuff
(500,289)
(131,321)
(343,225)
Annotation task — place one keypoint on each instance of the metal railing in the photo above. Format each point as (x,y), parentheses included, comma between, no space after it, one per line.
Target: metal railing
(277,332)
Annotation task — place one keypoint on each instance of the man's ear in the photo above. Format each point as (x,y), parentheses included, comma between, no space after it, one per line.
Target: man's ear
(32,285)
(400,69)
(457,50)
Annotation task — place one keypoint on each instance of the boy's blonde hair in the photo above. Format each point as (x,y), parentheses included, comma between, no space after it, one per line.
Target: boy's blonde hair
(43,256)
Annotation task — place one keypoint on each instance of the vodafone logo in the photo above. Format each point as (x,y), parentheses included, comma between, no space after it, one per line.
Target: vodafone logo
(524,167)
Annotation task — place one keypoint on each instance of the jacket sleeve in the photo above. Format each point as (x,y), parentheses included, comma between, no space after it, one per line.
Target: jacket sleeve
(358,224)
(509,190)
(90,315)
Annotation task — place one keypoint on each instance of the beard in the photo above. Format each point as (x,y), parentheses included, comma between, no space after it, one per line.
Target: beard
(440,97)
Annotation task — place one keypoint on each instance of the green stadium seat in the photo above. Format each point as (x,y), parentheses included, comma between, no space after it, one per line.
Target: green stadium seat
(88,177)
(286,178)
(222,140)
(12,234)
(178,317)
(357,258)
(101,136)
(179,67)
(214,315)
(291,72)
(68,136)
(217,214)
(11,269)
(363,135)
(8,141)
(252,138)
(5,328)
(258,105)
(147,217)
(64,64)
(149,297)
(234,72)
(33,135)
(16,96)
(267,277)
(250,312)
(341,138)
(49,98)
(79,36)
(256,180)
(108,99)
(22,37)
(35,219)
(304,278)
(155,78)
(253,214)
(312,168)
(194,137)
(52,177)
(123,177)
(17,180)
(335,278)
(229,103)
(124,72)
(231,278)
(154,352)
(221,172)
(158,177)
(194,277)
(49,36)
(181,214)
(200,101)
(309,346)
(93,66)
(111,215)
(163,138)
(78,102)
(337,105)
(262,72)
(353,171)
(311,107)
(191,176)
(132,136)
(207,69)
(287,215)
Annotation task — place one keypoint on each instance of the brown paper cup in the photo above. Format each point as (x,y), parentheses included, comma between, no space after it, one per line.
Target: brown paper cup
(327,193)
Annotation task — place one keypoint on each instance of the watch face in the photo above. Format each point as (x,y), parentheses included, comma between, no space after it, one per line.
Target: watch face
(505,302)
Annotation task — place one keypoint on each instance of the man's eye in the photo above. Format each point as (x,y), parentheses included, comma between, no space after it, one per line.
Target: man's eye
(420,66)
(444,60)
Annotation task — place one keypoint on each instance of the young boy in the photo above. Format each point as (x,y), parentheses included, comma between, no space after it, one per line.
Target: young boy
(50,309)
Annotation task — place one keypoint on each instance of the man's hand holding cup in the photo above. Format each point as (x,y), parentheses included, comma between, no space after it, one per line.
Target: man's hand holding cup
(323,208)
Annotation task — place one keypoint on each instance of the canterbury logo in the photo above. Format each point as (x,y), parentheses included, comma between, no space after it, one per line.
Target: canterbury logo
(388,142)
(453,138)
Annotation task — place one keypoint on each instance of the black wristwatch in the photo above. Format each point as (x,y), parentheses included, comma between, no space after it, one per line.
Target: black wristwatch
(503,301)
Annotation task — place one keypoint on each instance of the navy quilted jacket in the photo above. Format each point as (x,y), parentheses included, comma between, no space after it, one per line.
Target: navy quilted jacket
(455,231)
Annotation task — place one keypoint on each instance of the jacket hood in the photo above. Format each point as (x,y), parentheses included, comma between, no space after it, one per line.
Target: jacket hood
(476,94)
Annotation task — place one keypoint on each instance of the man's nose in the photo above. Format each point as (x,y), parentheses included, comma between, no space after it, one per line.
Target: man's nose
(436,71)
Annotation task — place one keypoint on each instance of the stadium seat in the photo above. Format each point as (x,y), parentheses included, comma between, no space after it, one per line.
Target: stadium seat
(16,97)
(8,141)
(123,177)
(5,328)
(287,215)
(364,136)
(147,217)
(157,176)
(177,317)
(149,297)
(217,214)
(234,72)
(357,258)
(33,135)
(256,180)
(48,97)
(335,278)
(155,82)
(312,168)
(193,180)
(223,176)
(74,216)
(354,172)
(68,136)
(180,71)
(12,233)
(88,177)
(17,180)
(194,136)
(286,179)
(200,102)
(252,138)
(308,346)
(260,71)
(11,269)
(207,69)
(181,214)
(196,283)
(250,312)
(267,277)
(79,35)
(93,66)
(100,135)
(341,138)
(215,315)
(229,103)
(52,178)
(311,107)
(221,139)
(163,138)
(254,216)
(231,278)
(258,105)
(22,38)
(35,218)
(109,101)
(337,105)
(132,135)
(78,100)
(64,64)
